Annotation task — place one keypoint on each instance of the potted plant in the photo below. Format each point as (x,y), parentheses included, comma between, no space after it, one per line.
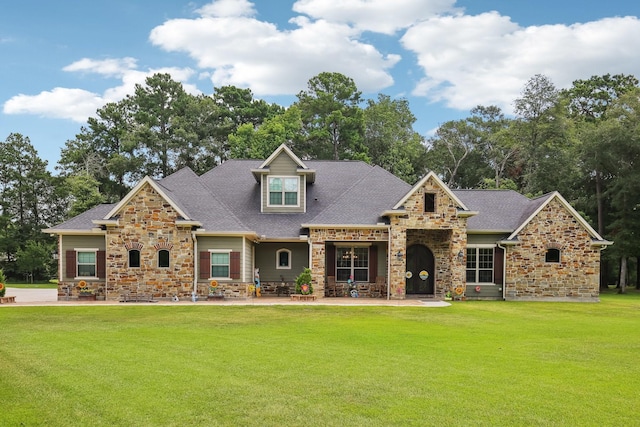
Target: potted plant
(214,291)
(303,282)
(85,292)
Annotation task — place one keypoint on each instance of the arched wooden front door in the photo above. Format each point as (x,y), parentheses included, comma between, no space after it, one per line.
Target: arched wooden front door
(420,259)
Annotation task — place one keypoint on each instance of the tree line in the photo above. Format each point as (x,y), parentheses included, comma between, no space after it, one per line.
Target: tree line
(583,141)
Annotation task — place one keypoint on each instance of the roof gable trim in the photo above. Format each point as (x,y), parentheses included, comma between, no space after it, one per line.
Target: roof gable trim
(441,184)
(136,189)
(289,153)
(557,196)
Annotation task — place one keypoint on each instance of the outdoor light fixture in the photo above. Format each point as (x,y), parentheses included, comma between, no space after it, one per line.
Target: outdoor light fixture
(399,255)
(460,256)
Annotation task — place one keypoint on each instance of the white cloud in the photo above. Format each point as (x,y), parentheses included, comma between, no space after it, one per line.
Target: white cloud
(79,104)
(60,103)
(381,16)
(246,52)
(487,59)
(227,8)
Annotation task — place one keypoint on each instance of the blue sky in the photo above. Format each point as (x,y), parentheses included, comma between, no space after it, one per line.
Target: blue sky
(60,61)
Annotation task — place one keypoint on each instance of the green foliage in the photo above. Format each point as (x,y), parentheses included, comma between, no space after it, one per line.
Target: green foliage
(35,260)
(304,278)
(3,282)
(548,364)
(333,122)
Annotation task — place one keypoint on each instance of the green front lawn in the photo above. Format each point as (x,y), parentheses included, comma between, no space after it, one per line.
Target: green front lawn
(474,363)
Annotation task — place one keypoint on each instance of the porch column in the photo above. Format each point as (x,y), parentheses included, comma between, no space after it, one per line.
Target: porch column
(398,260)
(317,248)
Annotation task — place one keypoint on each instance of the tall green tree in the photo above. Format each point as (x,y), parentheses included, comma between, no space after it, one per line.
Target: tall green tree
(391,141)
(546,138)
(106,149)
(28,198)
(333,122)
(249,142)
(156,106)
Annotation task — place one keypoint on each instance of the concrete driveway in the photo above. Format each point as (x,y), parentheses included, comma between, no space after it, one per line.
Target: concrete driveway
(33,295)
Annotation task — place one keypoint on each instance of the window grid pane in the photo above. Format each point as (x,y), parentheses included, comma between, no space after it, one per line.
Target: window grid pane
(86,264)
(220,265)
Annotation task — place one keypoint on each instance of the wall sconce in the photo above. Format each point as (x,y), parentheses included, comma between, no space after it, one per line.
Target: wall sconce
(399,255)
(460,256)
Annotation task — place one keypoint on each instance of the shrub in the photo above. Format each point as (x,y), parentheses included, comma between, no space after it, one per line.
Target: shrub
(304,279)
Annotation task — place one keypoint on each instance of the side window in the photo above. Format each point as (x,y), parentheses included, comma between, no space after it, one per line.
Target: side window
(220,264)
(283,259)
(134,258)
(163,258)
(552,255)
(86,263)
(429,202)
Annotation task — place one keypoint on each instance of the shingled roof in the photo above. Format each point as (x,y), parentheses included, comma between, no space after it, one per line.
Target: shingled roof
(227,200)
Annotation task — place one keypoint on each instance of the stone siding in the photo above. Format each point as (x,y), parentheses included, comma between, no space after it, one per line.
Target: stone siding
(442,231)
(148,223)
(319,237)
(574,278)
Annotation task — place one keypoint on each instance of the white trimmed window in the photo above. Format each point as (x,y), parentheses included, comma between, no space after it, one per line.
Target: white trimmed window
(283,259)
(284,191)
(220,264)
(86,262)
(352,261)
(480,264)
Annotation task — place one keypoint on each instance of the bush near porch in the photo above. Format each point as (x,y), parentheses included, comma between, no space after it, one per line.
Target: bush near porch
(473,363)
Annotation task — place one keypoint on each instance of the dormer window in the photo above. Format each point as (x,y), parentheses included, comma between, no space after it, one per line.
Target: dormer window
(284,191)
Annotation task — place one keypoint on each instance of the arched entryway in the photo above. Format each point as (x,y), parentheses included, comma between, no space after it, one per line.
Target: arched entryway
(420,259)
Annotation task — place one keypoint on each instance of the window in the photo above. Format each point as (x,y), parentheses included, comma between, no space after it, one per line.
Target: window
(86,262)
(552,255)
(163,258)
(352,261)
(283,191)
(283,259)
(429,202)
(480,265)
(220,264)
(134,258)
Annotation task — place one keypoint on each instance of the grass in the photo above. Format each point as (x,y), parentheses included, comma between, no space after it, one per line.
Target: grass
(49,284)
(474,363)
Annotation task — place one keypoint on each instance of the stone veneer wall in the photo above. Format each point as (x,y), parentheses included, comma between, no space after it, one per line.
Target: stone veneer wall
(450,273)
(319,238)
(148,223)
(575,277)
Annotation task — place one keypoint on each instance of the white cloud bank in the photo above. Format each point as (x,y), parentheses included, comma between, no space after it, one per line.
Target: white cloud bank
(463,60)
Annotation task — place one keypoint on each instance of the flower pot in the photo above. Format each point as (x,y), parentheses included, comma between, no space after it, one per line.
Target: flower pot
(86,297)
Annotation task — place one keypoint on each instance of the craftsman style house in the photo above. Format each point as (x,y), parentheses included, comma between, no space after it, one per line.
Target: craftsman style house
(346,220)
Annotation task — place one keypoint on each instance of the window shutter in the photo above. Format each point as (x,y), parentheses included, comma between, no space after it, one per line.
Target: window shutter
(331,260)
(101,261)
(70,260)
(373,263)
(205,265)
(234,265)
(498,266)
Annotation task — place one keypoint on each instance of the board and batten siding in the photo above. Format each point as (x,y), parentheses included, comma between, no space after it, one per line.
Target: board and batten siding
(266,261)
(70,243)
(233,244)
(283,165)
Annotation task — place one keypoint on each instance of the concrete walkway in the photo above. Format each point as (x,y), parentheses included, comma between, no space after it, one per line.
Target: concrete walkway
(49,297)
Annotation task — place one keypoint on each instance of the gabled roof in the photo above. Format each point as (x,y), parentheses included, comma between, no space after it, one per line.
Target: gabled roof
(302,168)
(276,153)
(145,181)
(226,200)
(543,201)
(420,184)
